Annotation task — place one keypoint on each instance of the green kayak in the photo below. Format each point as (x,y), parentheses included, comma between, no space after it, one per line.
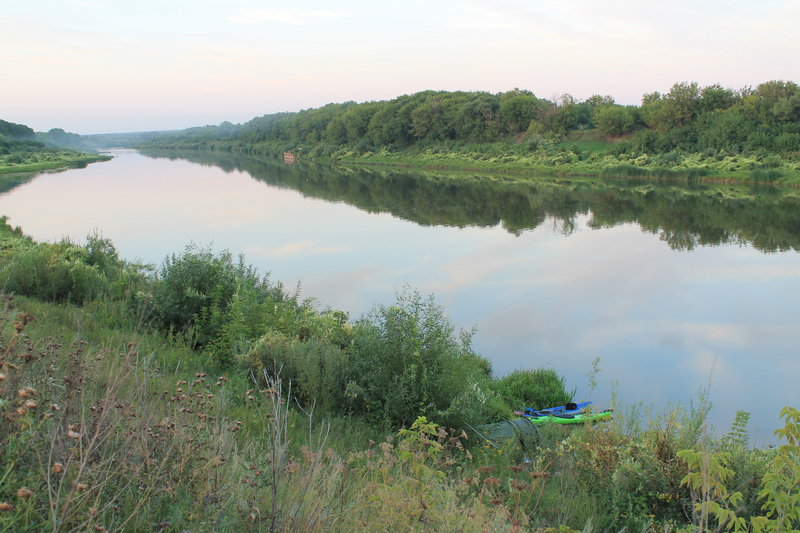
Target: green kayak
(524,427)
(577,418)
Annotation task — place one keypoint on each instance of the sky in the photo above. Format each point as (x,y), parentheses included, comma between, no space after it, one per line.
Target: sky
(103,66)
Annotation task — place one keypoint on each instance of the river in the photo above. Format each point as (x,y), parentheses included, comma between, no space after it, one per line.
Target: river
(676,289)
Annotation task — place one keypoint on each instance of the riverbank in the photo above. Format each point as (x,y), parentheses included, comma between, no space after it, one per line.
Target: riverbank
(14,174)
(697,168)
(50,161)
(583,156)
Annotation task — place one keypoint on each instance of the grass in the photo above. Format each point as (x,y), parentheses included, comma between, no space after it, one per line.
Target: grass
(50,161)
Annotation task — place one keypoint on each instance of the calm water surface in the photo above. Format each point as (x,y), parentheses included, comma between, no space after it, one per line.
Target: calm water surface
(672,291)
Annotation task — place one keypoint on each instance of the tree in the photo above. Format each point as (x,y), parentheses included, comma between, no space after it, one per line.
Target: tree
(716,98)
(614,120)
(518,111)
(600,101)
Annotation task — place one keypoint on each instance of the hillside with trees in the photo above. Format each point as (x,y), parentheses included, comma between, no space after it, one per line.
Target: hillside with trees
(744,129)
(23,151)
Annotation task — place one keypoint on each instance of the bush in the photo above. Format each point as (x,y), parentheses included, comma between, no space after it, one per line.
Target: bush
(315,368)
(407,362)
(194,292)
(538,389)
(53,272)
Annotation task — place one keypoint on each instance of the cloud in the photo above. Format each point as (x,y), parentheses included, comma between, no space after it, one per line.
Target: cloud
(281,16)
(295,248)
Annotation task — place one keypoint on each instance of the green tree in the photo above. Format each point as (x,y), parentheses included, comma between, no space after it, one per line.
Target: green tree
(614,120)
(518,111)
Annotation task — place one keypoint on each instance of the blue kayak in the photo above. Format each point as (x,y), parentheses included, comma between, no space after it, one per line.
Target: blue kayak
(568,409)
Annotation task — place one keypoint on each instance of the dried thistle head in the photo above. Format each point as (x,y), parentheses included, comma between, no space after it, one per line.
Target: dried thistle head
(519,485)
(23,493)
(5,506)
(57,468)
(491,481)
(27,392)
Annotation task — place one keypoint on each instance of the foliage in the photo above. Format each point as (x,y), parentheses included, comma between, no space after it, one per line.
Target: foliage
(210,297)
(615,120)
(781,483)
(537,389)
(315,368)
(688,118)
(63,272)
(407,362)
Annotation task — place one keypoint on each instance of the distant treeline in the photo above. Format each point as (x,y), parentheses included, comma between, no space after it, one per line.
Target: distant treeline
(23,150)
(21,137)
(688,118)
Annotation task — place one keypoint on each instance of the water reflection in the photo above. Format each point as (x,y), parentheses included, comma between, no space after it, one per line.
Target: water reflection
(684,216)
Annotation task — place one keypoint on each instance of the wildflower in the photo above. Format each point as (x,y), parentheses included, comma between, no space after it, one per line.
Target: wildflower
(74,435)
(57,468)
(5,506)
(23,493)
(31,404)
(21,411)
(80,486)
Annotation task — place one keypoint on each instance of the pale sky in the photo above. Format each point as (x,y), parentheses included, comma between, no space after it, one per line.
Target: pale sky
(101,66)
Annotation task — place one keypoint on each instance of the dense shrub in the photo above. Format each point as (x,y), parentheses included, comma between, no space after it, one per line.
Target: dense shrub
(407,362)
(538,389)
(195,290)
(316,369)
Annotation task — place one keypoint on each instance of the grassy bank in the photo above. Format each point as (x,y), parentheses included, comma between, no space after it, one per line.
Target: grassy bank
(584,155)
(573,161)
(38,161)
(202,397)
(13,173)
